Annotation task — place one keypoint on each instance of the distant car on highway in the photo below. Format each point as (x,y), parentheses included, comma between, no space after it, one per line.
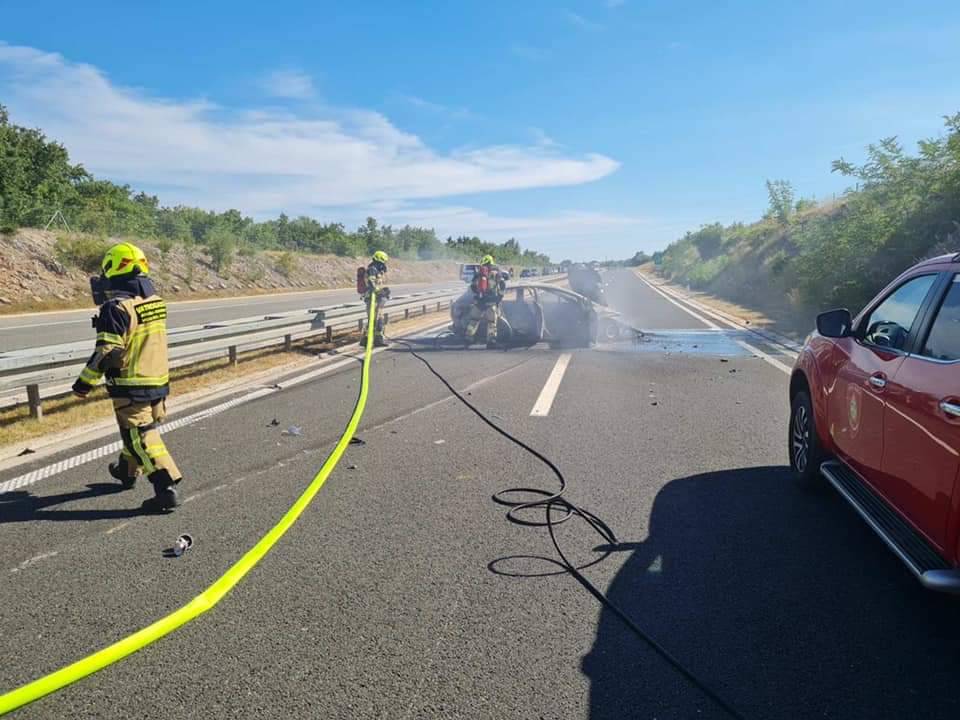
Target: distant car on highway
(467,272)
(875,409)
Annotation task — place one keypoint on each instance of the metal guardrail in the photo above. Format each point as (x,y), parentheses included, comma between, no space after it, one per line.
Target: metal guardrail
(37,369)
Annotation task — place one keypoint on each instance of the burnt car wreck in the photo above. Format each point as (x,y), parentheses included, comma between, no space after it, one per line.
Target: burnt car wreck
(535,313)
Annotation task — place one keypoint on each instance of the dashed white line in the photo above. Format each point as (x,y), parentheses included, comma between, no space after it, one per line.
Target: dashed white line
(542,407)
(35,559)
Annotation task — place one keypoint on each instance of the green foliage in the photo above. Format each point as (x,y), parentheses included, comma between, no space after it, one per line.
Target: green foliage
(84,252)
(287,264)
(164,245)
(781,194)
(221,244)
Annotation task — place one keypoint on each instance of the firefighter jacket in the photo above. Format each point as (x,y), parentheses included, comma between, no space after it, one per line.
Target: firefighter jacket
(489,286)
(131,345)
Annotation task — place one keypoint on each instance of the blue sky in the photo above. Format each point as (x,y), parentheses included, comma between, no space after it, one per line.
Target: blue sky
(588,128)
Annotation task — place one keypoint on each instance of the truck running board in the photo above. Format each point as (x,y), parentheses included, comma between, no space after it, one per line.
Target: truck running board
(919,556)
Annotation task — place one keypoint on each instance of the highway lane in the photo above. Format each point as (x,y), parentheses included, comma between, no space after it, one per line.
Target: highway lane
(381,602)
(51,328)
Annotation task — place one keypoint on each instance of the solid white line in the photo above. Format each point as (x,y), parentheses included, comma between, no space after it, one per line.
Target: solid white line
(682,307)
(542,407)
(746,346)
(48,471)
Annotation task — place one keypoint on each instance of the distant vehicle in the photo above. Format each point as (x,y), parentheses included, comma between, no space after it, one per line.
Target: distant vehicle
(587,281)
(532,314)
(875,408)
(467,272)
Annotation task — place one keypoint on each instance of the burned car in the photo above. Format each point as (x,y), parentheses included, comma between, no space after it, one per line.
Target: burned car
(531,313)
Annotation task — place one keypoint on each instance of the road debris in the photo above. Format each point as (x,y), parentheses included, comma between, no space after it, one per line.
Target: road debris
(293,430)
(274,423)
(357,441)
(26,451)
(439,442)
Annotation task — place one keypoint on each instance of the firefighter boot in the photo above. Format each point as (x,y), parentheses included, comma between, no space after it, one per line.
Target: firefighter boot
(165,494)
(119,472)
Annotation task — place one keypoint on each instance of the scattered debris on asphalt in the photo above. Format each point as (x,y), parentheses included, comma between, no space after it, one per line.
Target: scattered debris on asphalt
(357,441)
(724,360)
(733,370)
(351,467)
(26,451)
(183,543)
(274,423)
(294,430)
(439,442)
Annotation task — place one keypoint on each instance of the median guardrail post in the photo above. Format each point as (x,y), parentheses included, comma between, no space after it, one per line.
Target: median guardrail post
(33,399)
(287,343)
(233,355)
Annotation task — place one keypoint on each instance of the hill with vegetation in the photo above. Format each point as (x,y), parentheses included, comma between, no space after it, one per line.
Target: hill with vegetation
(804,256)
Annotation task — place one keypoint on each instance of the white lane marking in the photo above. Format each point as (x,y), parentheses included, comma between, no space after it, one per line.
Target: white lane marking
(746,346)
(763,356)
(682,307)
(35,559)
(541,408)
(115,528)
(47,471)
(791,352)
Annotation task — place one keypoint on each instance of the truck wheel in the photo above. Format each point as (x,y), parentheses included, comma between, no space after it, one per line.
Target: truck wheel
(804,449)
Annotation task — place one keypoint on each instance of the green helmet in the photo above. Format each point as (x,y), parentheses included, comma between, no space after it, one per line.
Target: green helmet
(487,260)
(381,257)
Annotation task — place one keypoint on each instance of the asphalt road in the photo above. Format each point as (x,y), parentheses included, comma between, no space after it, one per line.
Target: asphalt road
(51,328)
(400,593)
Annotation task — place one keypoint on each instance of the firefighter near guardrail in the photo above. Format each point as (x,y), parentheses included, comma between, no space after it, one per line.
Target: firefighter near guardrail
(372,281)
(131,355)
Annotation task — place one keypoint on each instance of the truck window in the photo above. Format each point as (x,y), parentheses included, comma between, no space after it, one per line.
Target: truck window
(889,324)
(943,343)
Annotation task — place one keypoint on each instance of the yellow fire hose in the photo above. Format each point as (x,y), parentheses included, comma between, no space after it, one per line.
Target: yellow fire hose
(212,595)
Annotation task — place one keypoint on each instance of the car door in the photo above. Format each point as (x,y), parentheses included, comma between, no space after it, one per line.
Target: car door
(921,454)
(865,364)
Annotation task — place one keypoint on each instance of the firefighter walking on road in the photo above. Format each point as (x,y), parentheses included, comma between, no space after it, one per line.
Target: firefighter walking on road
(131,354)
(488,286)
(374,282)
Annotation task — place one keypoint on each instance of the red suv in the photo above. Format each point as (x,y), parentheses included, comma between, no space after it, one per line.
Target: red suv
(875,409)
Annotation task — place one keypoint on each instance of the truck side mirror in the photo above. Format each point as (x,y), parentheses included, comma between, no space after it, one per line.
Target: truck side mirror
(835,323)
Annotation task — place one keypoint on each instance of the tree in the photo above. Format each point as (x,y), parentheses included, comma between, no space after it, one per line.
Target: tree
(781,195)
(221,244)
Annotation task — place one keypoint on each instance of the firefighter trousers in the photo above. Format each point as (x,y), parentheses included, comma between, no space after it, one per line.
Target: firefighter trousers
(377,316)
(489,314)
(142,445)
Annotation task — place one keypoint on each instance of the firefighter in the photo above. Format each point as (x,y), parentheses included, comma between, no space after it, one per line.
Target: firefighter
(488,285)
(131,353)
(376,284)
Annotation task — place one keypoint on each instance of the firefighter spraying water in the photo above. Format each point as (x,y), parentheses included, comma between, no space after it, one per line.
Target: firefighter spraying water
(488,286)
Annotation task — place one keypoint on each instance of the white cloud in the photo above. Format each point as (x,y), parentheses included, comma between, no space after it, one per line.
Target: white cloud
(260,160)
(435,107)
(292,84)
(575,234)
(580,21)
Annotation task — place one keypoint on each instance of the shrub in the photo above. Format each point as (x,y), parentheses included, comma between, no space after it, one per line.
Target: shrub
(83,252)
(286,264)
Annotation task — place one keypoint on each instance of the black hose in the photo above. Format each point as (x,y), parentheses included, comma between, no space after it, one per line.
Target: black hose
(552,502)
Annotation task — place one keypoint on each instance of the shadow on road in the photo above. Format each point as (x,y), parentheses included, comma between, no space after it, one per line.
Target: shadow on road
(782,600)
(23,506)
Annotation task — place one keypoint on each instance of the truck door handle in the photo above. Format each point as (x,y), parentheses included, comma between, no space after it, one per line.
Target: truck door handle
(878,381)
(950,408)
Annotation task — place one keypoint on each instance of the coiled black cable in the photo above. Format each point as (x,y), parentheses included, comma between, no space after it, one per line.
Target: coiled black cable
(552,502)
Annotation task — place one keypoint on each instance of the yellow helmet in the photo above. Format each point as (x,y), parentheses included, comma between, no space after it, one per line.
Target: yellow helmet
(487,260)
(381,257)
(122,259)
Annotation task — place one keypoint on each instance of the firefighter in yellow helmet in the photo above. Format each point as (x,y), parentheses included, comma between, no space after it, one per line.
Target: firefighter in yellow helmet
(488,286)
(131,354)
(375,283)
